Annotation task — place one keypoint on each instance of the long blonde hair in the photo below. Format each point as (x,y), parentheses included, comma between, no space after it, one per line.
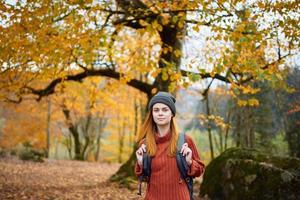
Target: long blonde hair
(149,129)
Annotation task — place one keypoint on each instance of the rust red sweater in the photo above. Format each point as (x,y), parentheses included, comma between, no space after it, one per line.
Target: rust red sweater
(165,182)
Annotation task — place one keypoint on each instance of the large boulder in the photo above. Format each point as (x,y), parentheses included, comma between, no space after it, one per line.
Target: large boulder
(249,174)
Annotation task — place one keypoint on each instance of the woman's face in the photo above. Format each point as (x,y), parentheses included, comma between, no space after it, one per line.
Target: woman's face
(162,114)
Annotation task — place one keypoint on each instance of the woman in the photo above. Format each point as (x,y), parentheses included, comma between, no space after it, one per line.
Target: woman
(159,139)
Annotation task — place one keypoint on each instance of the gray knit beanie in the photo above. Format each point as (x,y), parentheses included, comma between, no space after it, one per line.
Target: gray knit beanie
(165,98)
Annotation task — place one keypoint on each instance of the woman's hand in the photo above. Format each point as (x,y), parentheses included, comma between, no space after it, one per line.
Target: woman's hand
(187,153)
(139,154)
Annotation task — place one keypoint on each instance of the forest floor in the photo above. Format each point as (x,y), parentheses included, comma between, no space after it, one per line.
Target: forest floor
(60,180)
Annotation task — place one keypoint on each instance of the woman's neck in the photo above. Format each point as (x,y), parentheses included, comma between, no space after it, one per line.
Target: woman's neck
(163,130)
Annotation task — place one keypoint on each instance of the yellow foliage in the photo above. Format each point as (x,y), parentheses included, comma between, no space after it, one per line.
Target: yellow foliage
(250,102)
(241,102)
(196,28)
(19,127)
(177,53)
(253,102)
(247,89)
(157,26)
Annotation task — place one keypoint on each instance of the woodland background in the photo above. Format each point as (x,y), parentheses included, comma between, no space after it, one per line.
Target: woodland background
(76,77)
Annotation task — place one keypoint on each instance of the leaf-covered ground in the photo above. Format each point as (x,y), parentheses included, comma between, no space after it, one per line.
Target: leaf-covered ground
(61,180)
(55,179)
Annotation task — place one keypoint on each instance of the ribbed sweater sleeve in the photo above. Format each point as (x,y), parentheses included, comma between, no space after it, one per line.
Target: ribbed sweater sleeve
(197,166)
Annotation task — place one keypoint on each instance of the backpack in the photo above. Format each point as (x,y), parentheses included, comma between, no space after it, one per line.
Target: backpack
(181,164)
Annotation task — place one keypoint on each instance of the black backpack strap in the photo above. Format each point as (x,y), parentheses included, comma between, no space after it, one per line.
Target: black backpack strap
(183,166)
(140,186)
(146,172)
(146,167)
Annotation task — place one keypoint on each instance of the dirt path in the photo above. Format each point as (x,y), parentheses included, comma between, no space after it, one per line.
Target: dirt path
(58,180)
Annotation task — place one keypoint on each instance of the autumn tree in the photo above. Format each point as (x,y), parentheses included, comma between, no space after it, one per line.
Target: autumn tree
(140,43)
(84,117)
(89,108)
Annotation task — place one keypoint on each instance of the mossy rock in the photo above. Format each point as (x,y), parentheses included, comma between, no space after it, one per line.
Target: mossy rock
(249,174)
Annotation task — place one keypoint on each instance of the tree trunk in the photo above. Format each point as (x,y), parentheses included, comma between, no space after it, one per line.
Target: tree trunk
(221,140)
(248,128)
(98,139)
(48,128)
(136,121)
(227,128)
(84,152)
(217,143)
(238,128)
(252,137)
(98,144)
(56,143)
(75,134)
(69,145)
(209,128)
(87,140)
(121,131)
(77,144)
(102,123)
(171,38)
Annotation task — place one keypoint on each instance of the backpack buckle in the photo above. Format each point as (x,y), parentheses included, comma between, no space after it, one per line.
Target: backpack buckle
(187,179)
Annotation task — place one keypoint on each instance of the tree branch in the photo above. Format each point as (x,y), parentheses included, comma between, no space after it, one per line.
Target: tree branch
(205,92)
(140,85)
(207,75)
(264,67)
(50,89)
(209,22)
(59,18)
